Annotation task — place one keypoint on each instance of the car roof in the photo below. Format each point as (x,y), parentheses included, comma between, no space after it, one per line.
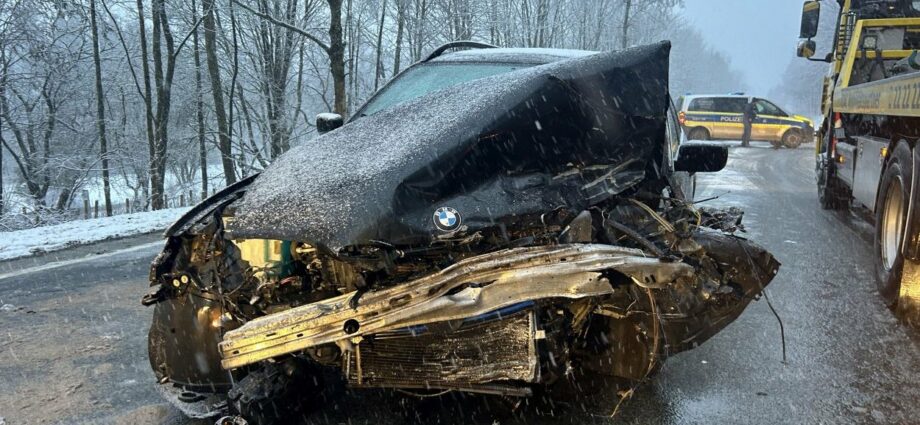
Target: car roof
(685,100)
(511,55)
(698,96)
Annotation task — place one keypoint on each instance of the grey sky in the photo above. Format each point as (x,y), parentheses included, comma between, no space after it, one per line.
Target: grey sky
(759,36)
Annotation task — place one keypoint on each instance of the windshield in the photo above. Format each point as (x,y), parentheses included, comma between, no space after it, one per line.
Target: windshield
(429,77)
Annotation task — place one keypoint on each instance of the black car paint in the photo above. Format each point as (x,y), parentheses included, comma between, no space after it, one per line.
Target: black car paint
(602,115)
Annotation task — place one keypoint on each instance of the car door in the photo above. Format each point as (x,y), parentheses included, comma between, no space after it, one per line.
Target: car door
(731,111)
(770,121)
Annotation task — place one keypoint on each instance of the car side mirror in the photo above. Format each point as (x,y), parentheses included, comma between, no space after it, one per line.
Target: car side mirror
(701,157)
(327,122)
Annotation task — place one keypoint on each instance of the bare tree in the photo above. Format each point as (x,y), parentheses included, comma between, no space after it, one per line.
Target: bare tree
(100,112)
(199,111)
(335,48)
(3,79)
(148,93)
(624,38)
(163,74)
(217,91)
(277,47)
(400,27)
(378,71)
(31,100)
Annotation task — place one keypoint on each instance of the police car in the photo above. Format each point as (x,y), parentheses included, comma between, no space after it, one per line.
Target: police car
(720,117)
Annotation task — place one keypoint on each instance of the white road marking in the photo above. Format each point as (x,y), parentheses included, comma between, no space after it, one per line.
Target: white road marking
(64,263)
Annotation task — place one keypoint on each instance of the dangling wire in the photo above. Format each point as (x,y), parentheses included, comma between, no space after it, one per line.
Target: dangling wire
(782,329)
(664,223)
(653,353)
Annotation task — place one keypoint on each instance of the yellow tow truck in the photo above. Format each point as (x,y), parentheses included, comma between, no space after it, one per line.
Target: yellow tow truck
(868,150)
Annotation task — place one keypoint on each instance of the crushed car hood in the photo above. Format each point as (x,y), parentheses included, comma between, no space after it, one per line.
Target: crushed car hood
(571,133)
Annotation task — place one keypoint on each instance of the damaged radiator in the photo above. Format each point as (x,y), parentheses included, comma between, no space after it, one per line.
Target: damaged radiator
(472,358)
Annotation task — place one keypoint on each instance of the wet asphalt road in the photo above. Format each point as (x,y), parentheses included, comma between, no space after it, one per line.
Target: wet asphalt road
(73,346)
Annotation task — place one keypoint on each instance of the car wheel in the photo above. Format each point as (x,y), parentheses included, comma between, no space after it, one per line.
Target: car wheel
(792,139)
(698,133)
(275,393)
(890,221)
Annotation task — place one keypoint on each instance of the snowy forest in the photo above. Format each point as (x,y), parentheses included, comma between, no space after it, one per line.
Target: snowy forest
(149,104)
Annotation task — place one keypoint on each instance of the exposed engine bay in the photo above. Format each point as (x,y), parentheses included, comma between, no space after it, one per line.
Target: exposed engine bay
(614,291)
(570,246)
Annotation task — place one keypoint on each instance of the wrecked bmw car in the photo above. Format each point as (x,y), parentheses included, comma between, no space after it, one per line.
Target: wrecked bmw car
(489,235)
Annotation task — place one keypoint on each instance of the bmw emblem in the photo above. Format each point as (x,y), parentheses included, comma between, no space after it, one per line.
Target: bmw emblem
(447,219)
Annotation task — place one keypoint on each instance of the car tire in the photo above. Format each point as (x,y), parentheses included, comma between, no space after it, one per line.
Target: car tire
(275,393)
(890,221)
(792,139)
(698,133)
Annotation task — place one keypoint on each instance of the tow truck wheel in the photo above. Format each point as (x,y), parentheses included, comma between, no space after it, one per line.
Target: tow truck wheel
(792,139)
(890,218)
(698,133)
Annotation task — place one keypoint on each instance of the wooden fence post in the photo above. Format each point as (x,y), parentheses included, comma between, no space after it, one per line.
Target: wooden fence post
(127,206)
(96,210)
(85,208)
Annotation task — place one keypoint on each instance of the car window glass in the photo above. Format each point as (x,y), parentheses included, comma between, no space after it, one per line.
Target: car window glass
(762,107)
(732,105)
(702,104)
(427,78)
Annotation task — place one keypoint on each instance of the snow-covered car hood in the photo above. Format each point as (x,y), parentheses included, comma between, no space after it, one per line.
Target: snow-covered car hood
(570,133)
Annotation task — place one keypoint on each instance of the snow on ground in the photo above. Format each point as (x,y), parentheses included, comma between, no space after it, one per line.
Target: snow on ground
(27,242)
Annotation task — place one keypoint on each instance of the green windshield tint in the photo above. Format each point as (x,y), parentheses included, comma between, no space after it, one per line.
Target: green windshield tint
(427,78)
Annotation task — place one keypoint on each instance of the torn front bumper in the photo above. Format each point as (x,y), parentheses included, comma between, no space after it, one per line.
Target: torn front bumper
(195,405)
(471,287)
